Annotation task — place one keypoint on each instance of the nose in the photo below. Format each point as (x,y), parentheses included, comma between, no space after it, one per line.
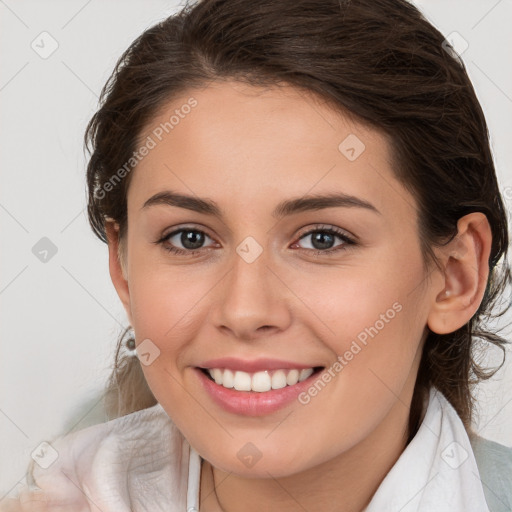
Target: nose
(252,301)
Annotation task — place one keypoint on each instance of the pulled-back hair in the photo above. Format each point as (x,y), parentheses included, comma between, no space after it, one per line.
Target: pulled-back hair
(379,61)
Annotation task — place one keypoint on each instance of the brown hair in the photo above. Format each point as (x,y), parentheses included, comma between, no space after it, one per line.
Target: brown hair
(379,60)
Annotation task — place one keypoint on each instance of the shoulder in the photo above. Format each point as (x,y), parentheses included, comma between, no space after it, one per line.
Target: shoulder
(114,439)
(494,461)
(111,463)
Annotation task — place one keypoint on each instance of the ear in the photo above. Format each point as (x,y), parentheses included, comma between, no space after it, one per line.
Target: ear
(117,269)
(465,261)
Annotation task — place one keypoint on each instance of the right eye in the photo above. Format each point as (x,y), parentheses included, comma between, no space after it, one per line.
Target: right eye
(190,239)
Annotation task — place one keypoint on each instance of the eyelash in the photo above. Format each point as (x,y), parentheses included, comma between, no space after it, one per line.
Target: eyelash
(316,252)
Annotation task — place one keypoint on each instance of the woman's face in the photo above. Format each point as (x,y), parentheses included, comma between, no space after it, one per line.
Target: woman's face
(269,285)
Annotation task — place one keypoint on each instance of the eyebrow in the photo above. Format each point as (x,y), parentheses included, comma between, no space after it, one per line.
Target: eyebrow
(283,209)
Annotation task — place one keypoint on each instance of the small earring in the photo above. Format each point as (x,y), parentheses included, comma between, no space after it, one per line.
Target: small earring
(130,344)
(447,293)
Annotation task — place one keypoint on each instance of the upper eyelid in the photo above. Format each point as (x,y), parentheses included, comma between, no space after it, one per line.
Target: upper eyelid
(177,230)
(327,227)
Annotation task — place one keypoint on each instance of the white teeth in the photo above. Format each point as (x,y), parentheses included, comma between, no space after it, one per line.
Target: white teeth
(304,374)
(217,375)
(292,377)
(260,381)
(228,379)
(278,380)
(242,381)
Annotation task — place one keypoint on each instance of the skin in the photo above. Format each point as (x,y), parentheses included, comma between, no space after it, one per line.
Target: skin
(247,149)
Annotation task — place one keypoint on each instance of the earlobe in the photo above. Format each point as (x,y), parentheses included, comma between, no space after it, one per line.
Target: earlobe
(465,262)
(118,274)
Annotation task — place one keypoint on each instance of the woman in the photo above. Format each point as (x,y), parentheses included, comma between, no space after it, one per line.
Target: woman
(306,231)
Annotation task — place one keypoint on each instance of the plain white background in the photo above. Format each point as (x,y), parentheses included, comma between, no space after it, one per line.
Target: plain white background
(61,318)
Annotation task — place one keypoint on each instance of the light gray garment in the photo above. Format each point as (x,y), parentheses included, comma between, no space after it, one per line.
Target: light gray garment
(494,462)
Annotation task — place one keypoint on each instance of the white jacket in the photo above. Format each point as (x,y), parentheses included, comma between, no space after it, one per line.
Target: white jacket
(142,463)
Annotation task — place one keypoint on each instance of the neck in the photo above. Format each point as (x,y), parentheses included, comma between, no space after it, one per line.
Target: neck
(344,483)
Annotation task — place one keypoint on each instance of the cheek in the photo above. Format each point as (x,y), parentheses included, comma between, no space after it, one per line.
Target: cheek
(164,308)
(372,316)
(165,299)
(167,309)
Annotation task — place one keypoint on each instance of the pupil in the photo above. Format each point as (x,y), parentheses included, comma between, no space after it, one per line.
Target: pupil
(192,239)
(319,240)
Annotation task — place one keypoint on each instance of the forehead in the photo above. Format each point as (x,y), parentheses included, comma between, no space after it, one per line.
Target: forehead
(245,144)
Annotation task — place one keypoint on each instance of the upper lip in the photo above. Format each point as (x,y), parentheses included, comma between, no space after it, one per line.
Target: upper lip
(251,366)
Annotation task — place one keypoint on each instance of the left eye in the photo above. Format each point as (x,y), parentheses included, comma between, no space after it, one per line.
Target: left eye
(322,240)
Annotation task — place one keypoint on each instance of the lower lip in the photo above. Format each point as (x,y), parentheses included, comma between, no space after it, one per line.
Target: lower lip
(253,403)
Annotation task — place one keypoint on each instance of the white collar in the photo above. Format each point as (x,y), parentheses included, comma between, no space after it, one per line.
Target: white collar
(436,472)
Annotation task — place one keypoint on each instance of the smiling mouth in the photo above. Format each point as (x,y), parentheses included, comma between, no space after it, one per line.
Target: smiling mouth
(261,381)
